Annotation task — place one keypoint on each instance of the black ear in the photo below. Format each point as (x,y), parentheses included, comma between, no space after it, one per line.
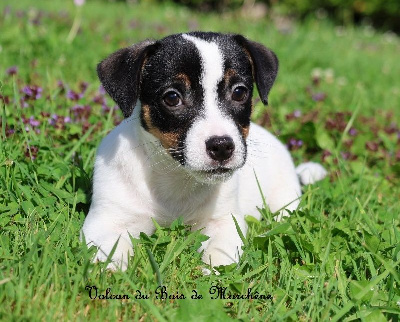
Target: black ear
(120,74)
(265,65)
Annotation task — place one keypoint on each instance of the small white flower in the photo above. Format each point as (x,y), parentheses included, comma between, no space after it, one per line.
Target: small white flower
(79,2)
(329,75)
(342,81)
(316,73)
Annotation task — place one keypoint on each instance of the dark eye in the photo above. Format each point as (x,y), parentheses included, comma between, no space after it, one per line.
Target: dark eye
(172,99)
(239,94)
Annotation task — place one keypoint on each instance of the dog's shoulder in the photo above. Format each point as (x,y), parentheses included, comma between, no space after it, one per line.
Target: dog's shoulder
(262,140)
(122,141)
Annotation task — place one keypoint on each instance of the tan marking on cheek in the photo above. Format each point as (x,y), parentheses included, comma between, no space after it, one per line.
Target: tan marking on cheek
(146,115)
(168,140)
(245,131)
(184,79)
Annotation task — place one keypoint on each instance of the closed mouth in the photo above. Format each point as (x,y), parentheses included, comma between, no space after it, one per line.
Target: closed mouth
(217,171)
(213,175)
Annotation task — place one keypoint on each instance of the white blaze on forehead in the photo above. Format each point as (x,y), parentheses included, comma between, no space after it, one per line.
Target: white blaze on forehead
(213,66)
(213,122)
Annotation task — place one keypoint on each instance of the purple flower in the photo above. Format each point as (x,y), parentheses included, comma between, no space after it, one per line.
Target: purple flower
(392,128)
(105,108)
(81,112)
(30,123)
(102,91)
(13,70)
(23,103)
(38,93)
(33,122)
(297,113)
(99,99)
(372,146)
(74,96)
(27,91)
(31,152)
(60,85)
(32,92)
(294,144)
(345,155)
(52,120)
(318,97)
(58,121)
(353,131)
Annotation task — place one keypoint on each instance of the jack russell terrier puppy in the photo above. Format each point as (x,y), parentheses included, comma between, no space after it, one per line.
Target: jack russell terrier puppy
(187,146)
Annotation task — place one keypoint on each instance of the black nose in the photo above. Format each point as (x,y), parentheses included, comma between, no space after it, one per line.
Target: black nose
(220,148)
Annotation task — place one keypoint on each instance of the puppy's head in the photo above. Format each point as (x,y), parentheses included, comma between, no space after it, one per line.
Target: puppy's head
(195,93)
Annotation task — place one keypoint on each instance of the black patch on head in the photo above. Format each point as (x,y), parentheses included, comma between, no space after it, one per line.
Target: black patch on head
(120,73)
(176,66)
(238,68)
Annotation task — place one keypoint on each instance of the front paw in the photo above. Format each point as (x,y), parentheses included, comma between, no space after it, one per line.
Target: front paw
(117,253)
(217,256)
(224,246)
(117,262)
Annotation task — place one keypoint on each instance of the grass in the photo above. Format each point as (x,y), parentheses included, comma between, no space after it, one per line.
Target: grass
(335,101)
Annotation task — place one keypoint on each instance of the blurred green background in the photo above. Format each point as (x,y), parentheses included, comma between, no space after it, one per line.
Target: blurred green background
(381,14)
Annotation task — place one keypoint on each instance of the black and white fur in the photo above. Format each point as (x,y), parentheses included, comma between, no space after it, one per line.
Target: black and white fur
(187,146)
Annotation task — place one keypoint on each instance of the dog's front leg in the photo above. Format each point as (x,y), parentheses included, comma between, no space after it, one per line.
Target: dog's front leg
(112,239)
(224,246)
(120,255)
